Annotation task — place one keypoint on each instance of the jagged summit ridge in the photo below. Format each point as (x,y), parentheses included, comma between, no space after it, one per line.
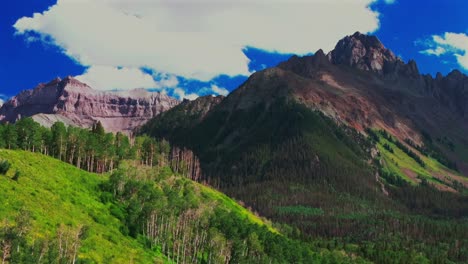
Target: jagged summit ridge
(364,52)
(362,84)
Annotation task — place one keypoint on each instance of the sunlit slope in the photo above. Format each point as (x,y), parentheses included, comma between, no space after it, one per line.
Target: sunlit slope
(397,162)
(57,194)
(60,206)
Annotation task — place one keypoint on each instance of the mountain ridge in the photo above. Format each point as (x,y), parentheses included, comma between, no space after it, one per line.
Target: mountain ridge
(77,102)
(398,91)
(360,85)
(363,85)
(350,146)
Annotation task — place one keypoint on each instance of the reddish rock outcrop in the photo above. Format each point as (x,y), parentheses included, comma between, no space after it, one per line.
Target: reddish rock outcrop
(80,105)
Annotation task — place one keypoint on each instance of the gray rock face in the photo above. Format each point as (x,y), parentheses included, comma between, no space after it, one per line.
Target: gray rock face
(363,52)
(80,105)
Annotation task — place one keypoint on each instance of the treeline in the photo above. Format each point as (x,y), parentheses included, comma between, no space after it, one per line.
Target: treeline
(93,149)
(388,237)
(391,177)
(430,150)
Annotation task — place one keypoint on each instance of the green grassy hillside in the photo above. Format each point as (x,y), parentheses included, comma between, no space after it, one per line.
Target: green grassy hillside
(58,196)
(397,162)
(53,212)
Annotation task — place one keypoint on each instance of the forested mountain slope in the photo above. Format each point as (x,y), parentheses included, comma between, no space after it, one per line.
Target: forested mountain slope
(343,146)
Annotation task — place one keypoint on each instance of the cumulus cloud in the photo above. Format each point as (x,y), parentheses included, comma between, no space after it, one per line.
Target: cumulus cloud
(167,80)
(116,78)
(195,39)
(219,90)
(180,93)
(1,101)
(437,51)
(449,43)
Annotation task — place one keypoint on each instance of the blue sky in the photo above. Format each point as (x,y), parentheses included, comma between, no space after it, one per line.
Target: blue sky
(194,48)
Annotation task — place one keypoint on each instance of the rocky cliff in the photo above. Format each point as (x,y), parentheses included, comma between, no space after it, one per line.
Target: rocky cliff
(75,103)
(363,52)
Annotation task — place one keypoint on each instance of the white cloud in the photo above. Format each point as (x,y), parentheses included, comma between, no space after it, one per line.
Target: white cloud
(455,44)
(180,93)
(463,60)
(167,80)
(435,51)
(3,99)
(116,78)
(197,39)
(219,90)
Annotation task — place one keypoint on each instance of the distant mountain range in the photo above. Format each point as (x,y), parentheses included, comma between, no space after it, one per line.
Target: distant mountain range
(75,103)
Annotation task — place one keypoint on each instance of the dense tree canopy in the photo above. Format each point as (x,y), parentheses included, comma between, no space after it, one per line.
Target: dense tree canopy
(91,149)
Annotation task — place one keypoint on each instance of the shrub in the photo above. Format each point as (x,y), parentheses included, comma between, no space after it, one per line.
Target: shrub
(16,176)
(4,166)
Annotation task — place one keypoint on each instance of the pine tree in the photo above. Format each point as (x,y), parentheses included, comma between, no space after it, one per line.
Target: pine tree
(98,129)
(2,138)
(59,132)
(10,136)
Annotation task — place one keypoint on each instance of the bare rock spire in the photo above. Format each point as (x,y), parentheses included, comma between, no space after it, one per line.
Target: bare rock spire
(363,52)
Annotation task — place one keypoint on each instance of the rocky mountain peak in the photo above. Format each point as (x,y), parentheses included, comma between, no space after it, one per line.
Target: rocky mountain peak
(364,52)
(413,67)
(307,65)
(202,104)
(72,80)
(456,75)
(54,81)
(71,85)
